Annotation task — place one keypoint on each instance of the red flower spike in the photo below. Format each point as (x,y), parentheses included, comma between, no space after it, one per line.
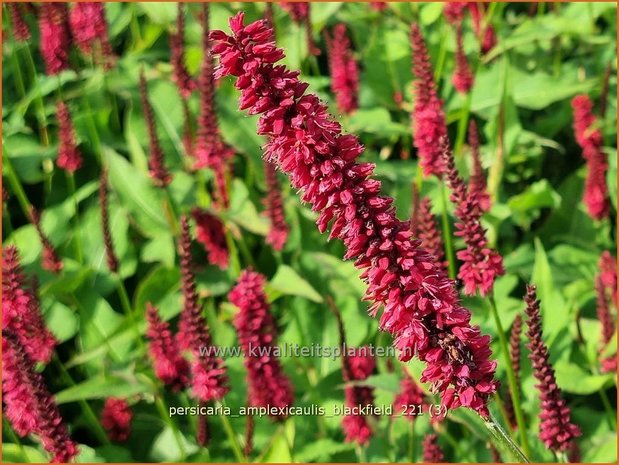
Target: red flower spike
(170,366)
(428,116)
(210,232)
(209,379)
(21,31)
(410,394)
(454,12)
(462,78)
(608,273)
(28,404)
(421,307)
(69,156)
(50,260)
(156,160)
(116,418)
(378,6)
(300,14)
(485,32)
(112,260)
(55,40)
(432,451)
(21,312)
(180,75)
(481,265)
(358,366)
(344,70)
(607,323)
(274,209)
(557,431)
(210,150)
(514,353)
(477,180)
(425,228)
(90,32)
(268,385)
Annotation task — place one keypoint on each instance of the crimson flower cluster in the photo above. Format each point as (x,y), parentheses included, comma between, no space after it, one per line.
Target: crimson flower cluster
(116,419)
(180,74)
(50,260)
(589,137)
(55,38)
(211,234)
(477,180)
(268,384)
(209,379)
(21,32)
(514,354)
(485,32)
(211,151)
(378,6)
(274,209)
(410,394)
(462,78)
(432,451)
(69,156)
(556,429)
(170,366)
(344,70)
(28,404)
(481,264)
(608,273)
(421,307)
(358,366)
(425,228)
(606,283)
(108,243)
(428,116)
(89,30)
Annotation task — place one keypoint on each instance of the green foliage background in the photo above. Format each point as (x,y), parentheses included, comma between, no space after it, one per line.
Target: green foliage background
(545,55)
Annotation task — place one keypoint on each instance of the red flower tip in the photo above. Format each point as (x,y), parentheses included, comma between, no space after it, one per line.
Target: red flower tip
(156,160)
(21,31)
(462,78)
(344,70)
(69,156)
(421,307)
(358,365)
(257,331)
(556,429)
(112,260)
(90,32)
(210,232)
(428,117)
(477,180)
(410,394)
(274,209)
(116,418)
(28,404)
(170,366)
(608,273)
(432,451)
(425,228)
(485,32)
(50,260)
(454,12)
(180,75)
(54,37)
(514,353)
(378,6)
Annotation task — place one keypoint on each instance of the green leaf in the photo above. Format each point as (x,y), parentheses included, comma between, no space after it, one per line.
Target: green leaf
(525,206)
(243,212)
(163,13)
(287,282)
(102,388)
(61,321)
(165,447)
(572,378)
(279,450)
(12,453)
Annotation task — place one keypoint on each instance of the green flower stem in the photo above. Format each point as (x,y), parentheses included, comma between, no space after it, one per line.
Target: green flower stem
(78,240)
(513,386)
(504,441)
(234,442)
(612,420)
(163,413)
(126,304)
(451,259)
(39,98)
(411,442)
(502,410)
(16,66)
(16,185)
(16,440)
(91,418)
(172,211)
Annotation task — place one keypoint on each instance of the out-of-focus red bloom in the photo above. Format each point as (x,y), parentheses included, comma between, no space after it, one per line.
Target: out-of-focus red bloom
(556,429)
(378,6)
(607,324)
(425,228)
(156,160)
(268,384)
(69,156)
(28,404)
(589,137)
(481,264)
(410,395)
(21,313)
(210,150)
(477,180)
(110,255)
(54,36)
(300,14)
(608,273)
(50,260)
(485,32)
(432,452)
(428,117)
(358,365)
(181,76)
(89,30)
(344,70)
(211,234)
(170,366)
(209,379)
(462,78)
(116,418)
(274,209)
(514,354)
(454,12)
(21,32)
(421,307)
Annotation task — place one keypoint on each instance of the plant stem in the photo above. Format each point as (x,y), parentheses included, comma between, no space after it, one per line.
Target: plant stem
(39,98)
(451,259)
(16,186)
(163,413)
(411,442)
(513,386)
(234,442)
(126,304)
(78,240)
(501,437)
